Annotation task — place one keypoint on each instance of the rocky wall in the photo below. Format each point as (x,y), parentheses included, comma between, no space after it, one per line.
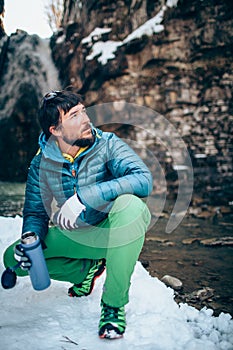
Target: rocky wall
(183,71)
(180,67)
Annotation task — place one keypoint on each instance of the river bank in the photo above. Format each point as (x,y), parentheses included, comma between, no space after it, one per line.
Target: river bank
(199,254)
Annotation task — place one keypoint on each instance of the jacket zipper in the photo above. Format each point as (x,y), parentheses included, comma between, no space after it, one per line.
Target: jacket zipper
(73,172)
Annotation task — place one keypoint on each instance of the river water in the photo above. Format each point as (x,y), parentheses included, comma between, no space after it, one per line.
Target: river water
(180,254)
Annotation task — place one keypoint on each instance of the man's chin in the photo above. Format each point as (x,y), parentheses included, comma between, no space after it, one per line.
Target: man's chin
(84,142)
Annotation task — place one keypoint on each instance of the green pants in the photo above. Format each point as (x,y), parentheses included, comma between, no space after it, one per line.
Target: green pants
(118,239)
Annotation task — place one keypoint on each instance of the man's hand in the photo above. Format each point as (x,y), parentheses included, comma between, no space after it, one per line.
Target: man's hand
(69,213)
(19,255)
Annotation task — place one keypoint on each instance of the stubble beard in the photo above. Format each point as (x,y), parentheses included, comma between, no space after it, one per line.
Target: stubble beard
(84,142)
(81,142)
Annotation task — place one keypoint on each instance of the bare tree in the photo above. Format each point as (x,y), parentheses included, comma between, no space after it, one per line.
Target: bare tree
(54,11)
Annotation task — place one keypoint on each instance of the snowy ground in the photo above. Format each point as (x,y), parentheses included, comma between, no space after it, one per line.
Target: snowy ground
(50,320)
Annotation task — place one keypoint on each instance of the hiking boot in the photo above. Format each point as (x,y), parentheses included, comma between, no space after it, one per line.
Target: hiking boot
(85,288)
(112,322)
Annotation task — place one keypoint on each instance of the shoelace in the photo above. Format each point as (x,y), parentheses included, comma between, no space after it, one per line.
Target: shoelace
(111,312)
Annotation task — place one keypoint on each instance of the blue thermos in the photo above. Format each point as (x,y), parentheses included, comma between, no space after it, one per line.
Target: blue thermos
(38,272)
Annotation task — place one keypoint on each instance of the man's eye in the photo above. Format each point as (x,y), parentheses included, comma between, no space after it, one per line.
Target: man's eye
(76,115)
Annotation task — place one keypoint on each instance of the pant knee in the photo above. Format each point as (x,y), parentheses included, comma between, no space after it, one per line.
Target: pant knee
(129,219)
(131,208)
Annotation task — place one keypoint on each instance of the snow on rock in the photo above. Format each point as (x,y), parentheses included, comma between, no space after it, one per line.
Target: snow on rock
(171,3)
(50,320)
(95,35)
(148,28)
(105,50)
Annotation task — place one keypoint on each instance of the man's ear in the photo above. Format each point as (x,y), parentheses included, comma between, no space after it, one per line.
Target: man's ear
(54,130)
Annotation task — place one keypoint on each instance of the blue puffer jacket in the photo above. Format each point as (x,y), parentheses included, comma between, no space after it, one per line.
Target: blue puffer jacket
(98,175)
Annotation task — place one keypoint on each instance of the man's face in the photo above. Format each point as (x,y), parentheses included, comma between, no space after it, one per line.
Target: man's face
(75,127)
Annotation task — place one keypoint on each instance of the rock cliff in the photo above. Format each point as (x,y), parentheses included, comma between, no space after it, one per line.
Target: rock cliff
(172,57)
(182,69)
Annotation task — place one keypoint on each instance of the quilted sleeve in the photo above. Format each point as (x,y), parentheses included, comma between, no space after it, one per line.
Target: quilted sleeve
(37,200)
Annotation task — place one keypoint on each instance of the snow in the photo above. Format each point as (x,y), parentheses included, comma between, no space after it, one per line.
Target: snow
(105,50)
(61,39)
(180,167)
(95,34)
(50,320)
(150,27)
(171,3)
(200,155)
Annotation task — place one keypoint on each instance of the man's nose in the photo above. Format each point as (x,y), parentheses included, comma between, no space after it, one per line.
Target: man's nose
(85,117)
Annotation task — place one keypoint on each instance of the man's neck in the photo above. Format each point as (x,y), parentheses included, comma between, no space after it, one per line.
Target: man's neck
(66,148)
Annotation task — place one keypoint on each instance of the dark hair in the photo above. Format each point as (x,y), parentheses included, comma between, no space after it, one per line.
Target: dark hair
(51,106)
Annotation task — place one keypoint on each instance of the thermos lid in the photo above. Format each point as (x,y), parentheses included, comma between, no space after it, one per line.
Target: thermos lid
(28,237)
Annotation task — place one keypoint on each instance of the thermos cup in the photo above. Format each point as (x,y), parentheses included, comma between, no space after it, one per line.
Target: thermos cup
(38,271)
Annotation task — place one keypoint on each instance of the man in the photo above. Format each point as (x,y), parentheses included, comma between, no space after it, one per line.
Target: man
(95,180)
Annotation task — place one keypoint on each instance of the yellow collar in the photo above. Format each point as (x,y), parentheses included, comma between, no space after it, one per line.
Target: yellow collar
(70,158)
